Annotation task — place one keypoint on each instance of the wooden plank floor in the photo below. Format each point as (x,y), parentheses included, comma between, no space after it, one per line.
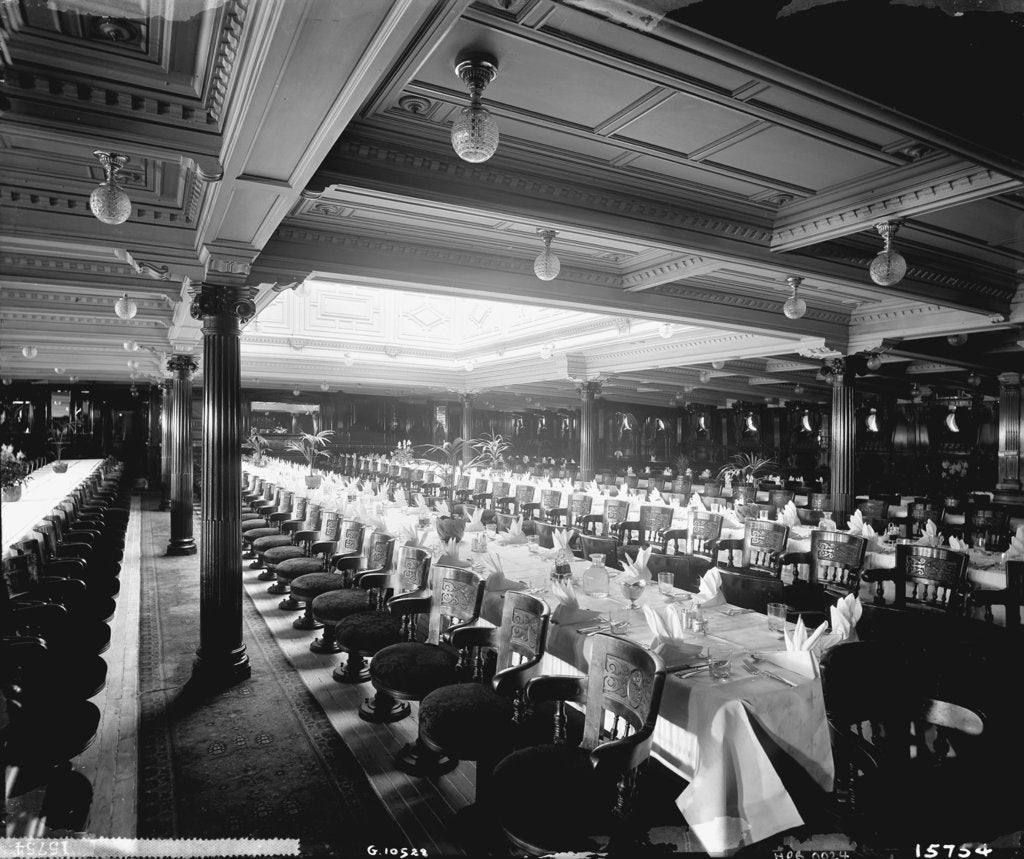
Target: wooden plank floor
(422,808)
(111,762)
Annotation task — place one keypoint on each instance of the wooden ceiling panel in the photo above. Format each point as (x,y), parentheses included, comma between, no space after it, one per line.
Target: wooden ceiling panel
(695,177)
(988,221)
(789,156)
(684,124)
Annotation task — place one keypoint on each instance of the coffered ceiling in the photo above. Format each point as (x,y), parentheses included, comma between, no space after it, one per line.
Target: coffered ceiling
(306,142)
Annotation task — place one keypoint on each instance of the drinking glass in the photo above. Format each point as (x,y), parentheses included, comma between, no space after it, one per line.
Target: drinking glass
(719,662)
(980,541)
(762,514)
(533,543)
(777,618)
(618,620)
(666,584)
(633,590)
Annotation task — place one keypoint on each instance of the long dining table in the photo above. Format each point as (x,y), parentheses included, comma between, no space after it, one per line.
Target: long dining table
(705,731)
(44,490)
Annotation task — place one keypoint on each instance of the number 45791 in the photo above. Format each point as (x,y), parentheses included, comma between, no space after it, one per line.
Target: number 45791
(949,851)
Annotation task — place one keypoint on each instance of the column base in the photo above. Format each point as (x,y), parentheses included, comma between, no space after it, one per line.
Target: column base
(186,546)
(220,669)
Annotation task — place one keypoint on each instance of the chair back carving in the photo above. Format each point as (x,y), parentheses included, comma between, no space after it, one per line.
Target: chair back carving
(550,499)
(682,485)
(624,686)
(713,489)
(932,575)
(744,493)
(615,512)
(630,481)
(545,532)
(522,633)
(580,505)
(524,494)
(20,576)
(820,501)
(763,546)
(350,536)
(457,594)
(837,559)
(331,524)
(655,518)
(413,569)
(500,489)
(463,482)
(607,546)
(874,508)
(704,532)
(480,486)
(313,516)
(504,521)
(284,501)
(299,503)
(380,551)
(780,497)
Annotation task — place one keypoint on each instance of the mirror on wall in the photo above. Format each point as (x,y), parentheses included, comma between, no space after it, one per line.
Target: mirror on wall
(270,419)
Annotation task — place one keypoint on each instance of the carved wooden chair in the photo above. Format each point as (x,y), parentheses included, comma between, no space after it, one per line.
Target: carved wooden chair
(919,513)
(820,501)
(908,767)
(653,522)
(410,670)
(874,508)
(744,493)
(580,505)
(682,486)
(763,546)
(324,555)
(557,797)
(551,509)
(524,504)
(500,498)
(834,564)
(477,721)
(702,539)
(930,577)
(990,525)
(591,544)
(779,498)
(713,489)
(683,574)
(1011,597)
(303,535)
(615,513)
(380,551)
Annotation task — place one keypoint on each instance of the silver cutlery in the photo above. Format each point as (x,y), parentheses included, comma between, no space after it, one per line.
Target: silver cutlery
(753,669)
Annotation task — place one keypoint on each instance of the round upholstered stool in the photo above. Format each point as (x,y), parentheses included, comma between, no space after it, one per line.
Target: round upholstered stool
(256,522)
(291,569)
(249,516)
(307,588)
(251,536)
(361,636)
(467,721)
(560,800)
(274,557)
(333,606)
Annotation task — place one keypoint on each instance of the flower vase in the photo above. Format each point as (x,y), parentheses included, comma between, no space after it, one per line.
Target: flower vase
(313,481)
(595,578)
(12,493)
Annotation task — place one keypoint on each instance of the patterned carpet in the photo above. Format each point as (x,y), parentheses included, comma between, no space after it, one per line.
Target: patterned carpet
(257,760)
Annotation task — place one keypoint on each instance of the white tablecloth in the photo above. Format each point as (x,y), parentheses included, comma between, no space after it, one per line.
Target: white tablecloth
(40,495)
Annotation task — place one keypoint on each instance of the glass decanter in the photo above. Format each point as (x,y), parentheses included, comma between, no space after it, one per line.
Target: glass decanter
(595,578)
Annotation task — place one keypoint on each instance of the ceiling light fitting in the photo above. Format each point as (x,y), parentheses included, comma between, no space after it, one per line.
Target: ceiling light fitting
(73,379)
(794,306)
(704,377)
(956,339)
(108,202)
(8,380)
(546,266)
(125,307)
(325,386)
(470,365)
(29,351)
(475,132)
(347,359)
(296,392)
(718,365)
(873,362)
(888,267)
(798,389)
(666,330)
(974,380)
(547,350)
(130,346)
(59,371)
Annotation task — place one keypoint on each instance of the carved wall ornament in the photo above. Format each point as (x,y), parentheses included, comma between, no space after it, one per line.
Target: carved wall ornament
(182,365)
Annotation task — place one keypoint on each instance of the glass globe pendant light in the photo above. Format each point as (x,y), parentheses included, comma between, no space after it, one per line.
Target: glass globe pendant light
(29,352)
(475,132)
(873,361)
(888,267)
(547,265)
(108,201)
(125,307)
(794,306)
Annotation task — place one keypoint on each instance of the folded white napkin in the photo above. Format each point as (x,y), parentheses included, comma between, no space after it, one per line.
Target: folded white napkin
(654,496)
(958,545)
(931,535)
(855,524)
(876,542)
(668,636)
(568,609)
(514,536)
(696,503)
(476,523)
(560,537)
(410,536)
(788,516)
(496,578)
(1016,550)
(710,593)
(800,640)
(845,614)
(636,568)
(593,489)
(441,507)
(730,519)
(450,555)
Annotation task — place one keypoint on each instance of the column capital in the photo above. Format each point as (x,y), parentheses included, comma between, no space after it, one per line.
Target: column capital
(590,387)
(219,300)
(182,366)
(1008,379)
(468,397)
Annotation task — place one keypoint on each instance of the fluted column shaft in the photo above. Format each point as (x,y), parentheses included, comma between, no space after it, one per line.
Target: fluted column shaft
(165,445)
(467,425)
(844,431)
(181,543)
(588,427)
(221,657)
(1009,431)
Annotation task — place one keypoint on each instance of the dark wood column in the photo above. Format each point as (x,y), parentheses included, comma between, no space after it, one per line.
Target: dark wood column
(467,424)
(1009,432)
(221,657)
(588,427)
(165,445)
(182,367)
(154,475)
(844,431)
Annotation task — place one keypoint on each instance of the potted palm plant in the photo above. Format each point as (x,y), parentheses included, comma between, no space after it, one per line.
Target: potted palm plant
(490,452)
(746,467)
(13,472)
(60,437)
(447,454)
(257,444)
(311,446)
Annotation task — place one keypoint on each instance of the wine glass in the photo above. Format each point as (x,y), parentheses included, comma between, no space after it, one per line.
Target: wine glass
(633,590)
